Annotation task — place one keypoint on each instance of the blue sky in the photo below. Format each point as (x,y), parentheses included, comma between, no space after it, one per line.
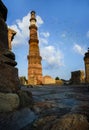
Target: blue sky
(63,30)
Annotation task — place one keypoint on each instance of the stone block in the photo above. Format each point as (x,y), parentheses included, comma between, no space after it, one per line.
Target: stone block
(69,122)
(9,81)
(26,99)
(8,102)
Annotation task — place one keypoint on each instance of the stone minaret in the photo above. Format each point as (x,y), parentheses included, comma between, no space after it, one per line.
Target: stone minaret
(86,60)
(34,58)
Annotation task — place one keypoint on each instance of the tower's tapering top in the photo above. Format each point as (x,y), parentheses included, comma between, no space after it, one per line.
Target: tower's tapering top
(87,54)
(88,49)
(33,18)
(33,12)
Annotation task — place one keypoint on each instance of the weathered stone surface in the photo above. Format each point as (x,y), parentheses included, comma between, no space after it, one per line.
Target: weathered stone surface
(11,34)
(42,106)
(26,99)
(3,10)
(8,102)
(82,108)
(8,60)
(9,54)
(53,102)
(69,122)
(9,81)
(39,124)
(3,26)
(17,119)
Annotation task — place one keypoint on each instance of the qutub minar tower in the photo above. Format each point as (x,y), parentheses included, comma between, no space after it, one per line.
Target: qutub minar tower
(34,58)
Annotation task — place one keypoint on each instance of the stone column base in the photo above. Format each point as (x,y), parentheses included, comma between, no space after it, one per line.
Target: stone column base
(9,81)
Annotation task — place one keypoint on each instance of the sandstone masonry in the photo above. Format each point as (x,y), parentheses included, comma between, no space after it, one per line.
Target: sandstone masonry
(9,81)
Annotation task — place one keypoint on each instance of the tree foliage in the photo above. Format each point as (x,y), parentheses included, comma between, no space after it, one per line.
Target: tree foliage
(57,78)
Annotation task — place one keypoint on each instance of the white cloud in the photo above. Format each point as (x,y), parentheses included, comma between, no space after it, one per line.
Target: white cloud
(43,37)
(78,49)
(52,56)
(45,34)
(43,40)
(87,34)
(63,35)
(22,28)
(39,21)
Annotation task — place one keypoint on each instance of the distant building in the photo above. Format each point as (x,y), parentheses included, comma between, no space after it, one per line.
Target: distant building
(48,80)
(77,77)
(59,81)
(86,60)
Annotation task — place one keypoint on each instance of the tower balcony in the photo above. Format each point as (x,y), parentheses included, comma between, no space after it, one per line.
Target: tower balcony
(33,26)
(33,40)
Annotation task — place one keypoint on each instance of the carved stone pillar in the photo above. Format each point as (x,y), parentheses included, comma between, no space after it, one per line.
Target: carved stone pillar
(11,34)
(9,81)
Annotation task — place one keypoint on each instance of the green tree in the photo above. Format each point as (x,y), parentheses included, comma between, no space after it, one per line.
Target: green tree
(57,78)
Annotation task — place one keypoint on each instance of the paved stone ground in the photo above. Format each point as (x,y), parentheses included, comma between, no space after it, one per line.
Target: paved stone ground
(50,103)
(56,101)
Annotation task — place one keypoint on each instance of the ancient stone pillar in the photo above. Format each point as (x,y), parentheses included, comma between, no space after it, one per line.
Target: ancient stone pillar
(86,60)
(11,34)
(9,81)
(3,27)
